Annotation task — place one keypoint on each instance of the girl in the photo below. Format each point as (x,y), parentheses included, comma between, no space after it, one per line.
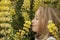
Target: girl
(40,22)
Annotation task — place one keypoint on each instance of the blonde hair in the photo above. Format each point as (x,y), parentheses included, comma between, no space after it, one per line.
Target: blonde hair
(47,13)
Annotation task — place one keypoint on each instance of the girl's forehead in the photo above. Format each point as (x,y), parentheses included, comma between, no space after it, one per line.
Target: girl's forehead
(37,13)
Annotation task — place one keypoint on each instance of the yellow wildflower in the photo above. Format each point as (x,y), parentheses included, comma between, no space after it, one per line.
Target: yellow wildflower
(5,25)
(28,22)
(26,29)
(9,30)
(37,4)
(18,33)
(27,26)
(5,2)
(22,32)
(26,4)
(53,28)
(25,14)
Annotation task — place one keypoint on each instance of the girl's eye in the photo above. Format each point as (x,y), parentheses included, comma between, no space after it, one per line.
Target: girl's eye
(36,18)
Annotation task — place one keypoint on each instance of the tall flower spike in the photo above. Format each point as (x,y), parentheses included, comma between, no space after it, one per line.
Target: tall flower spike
(53,29)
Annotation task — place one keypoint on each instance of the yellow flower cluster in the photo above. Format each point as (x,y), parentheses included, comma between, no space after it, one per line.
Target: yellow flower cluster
(12,10)
(25,30)
(5,25)
(5,2)
(36,5)
(4,7)
(27,23)
(26,4)
(4,13)
(4,32)
(25,15)
(3,19)
(6,18)
(53,29)
(50,1)
(20,35)
(21,32)
(6,10)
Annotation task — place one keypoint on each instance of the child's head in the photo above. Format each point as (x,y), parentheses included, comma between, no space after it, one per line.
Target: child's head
(42,15)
